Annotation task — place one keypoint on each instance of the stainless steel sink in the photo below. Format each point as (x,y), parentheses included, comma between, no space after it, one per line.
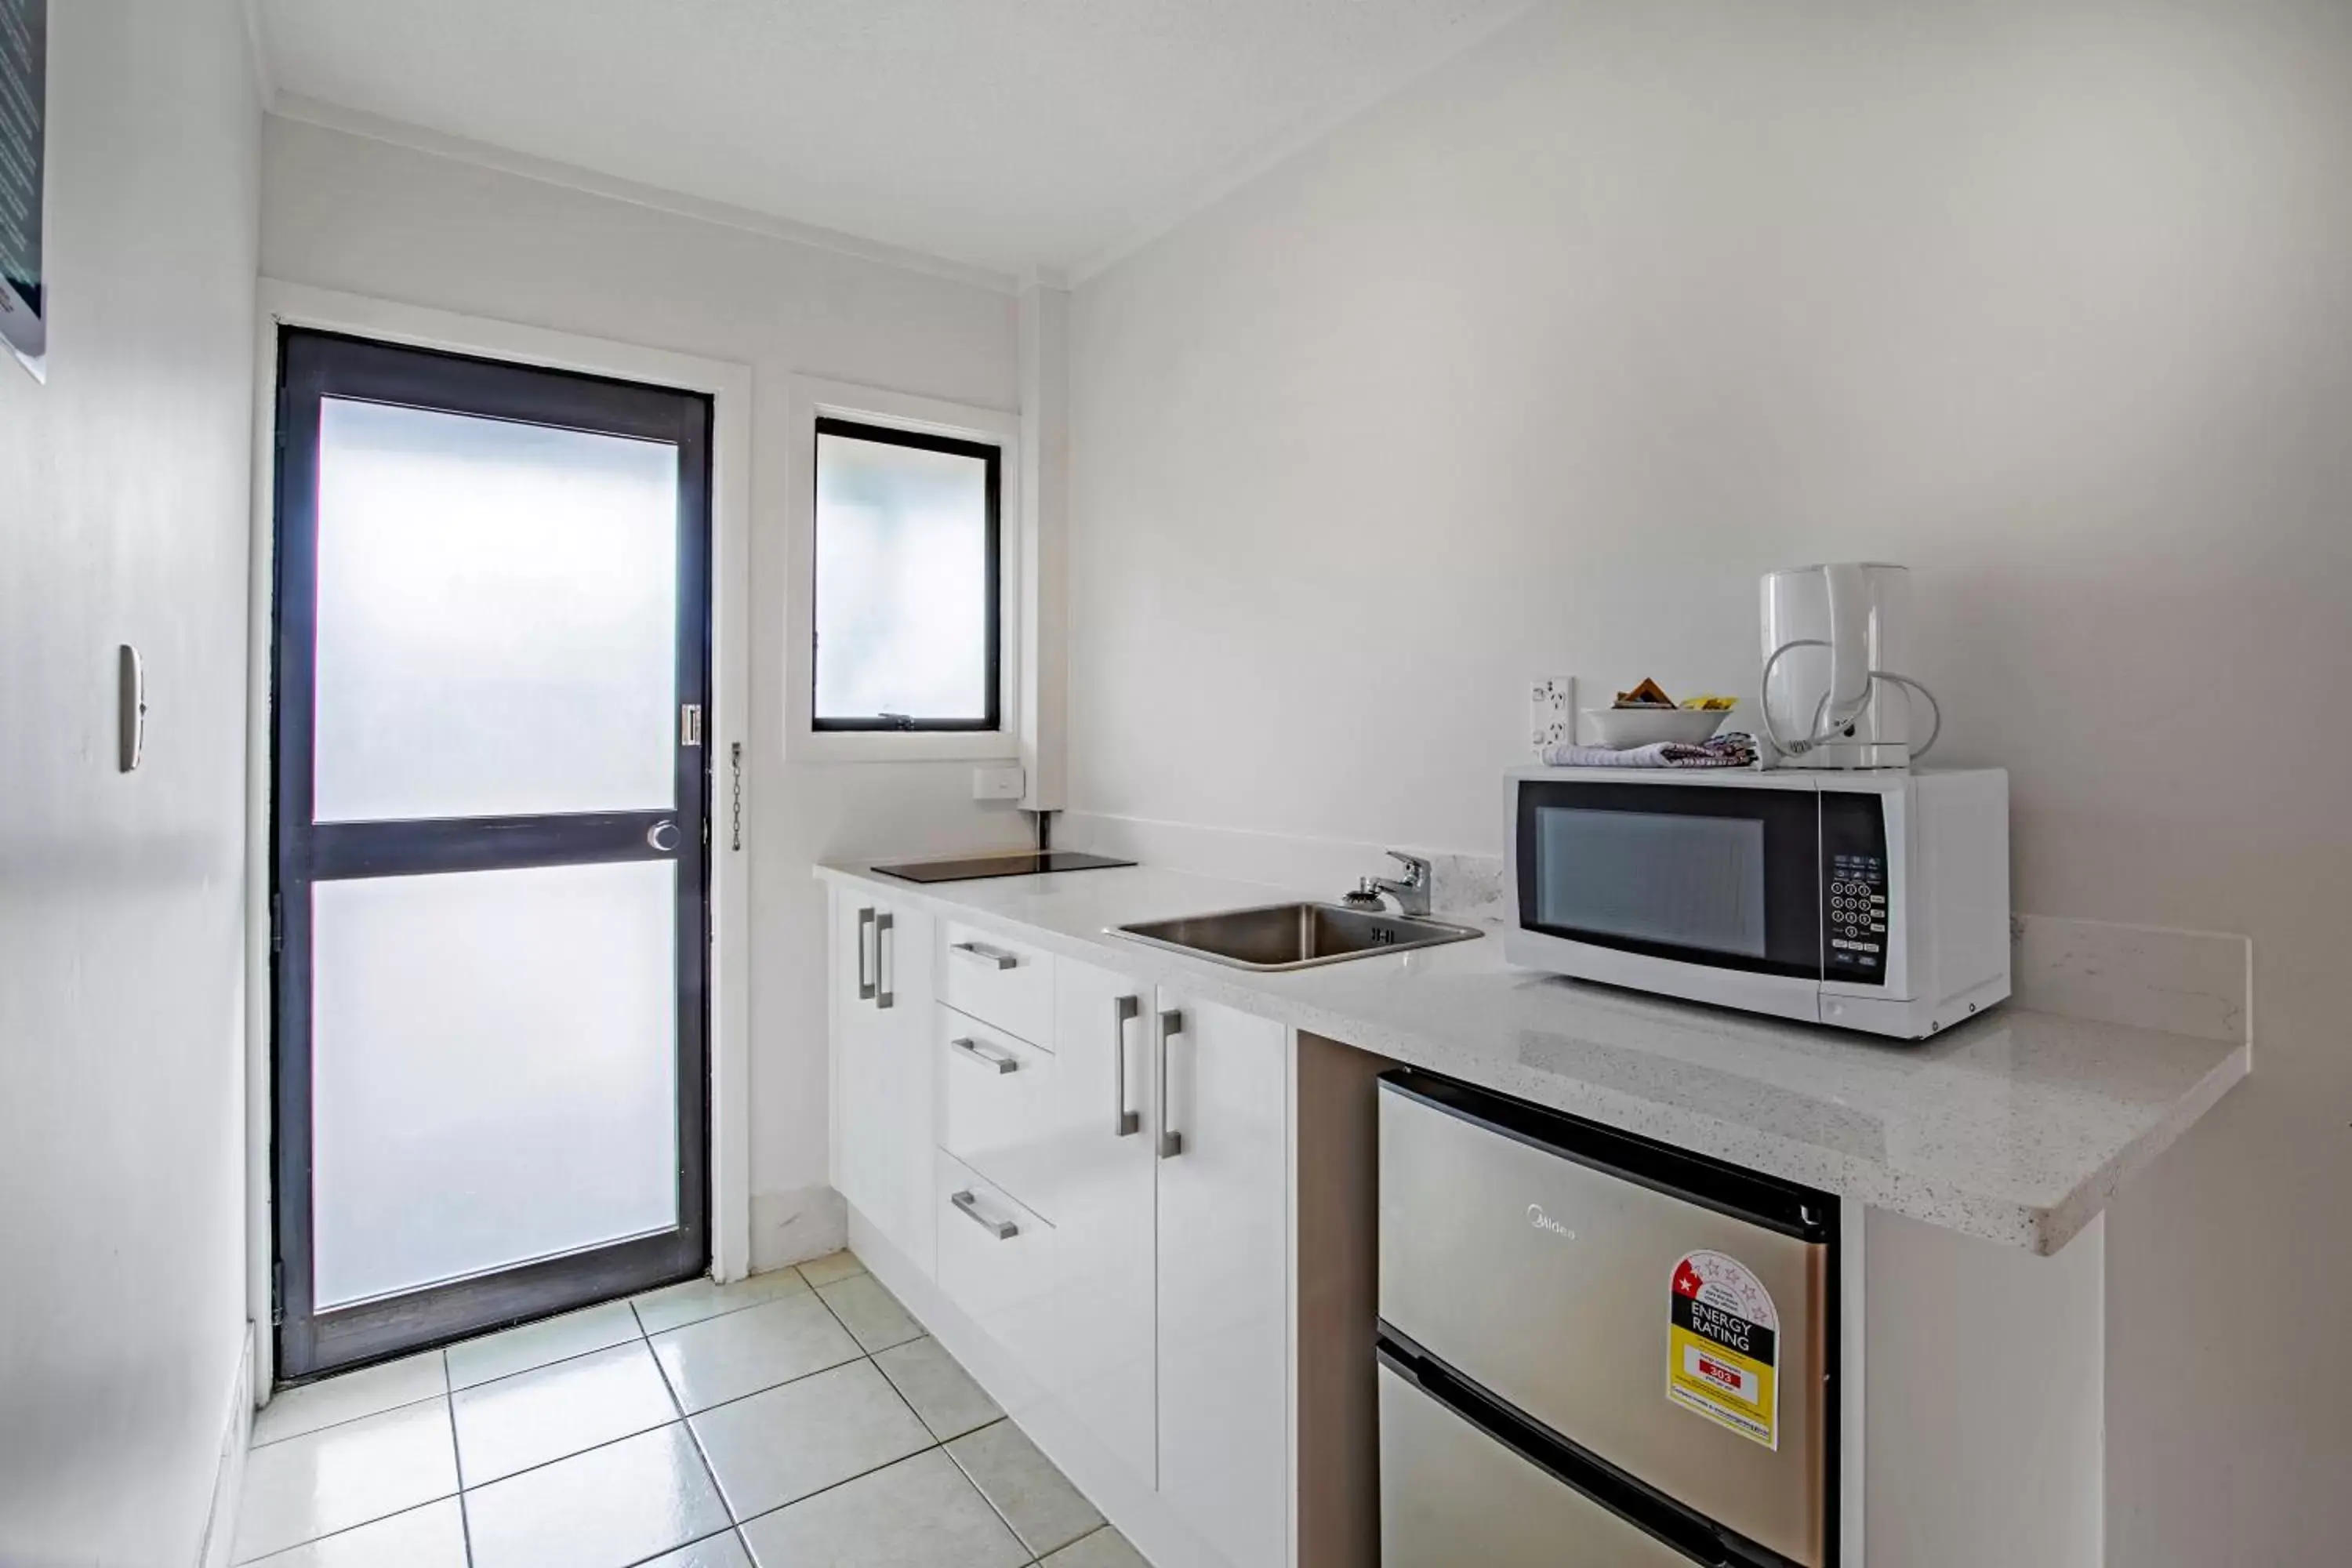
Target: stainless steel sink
(1294,936)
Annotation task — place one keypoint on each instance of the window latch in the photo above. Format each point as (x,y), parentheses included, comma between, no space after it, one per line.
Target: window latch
(896,721)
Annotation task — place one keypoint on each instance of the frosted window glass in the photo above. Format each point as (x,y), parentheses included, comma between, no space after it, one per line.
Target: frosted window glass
(498,617)
(494,1070)
(902,596)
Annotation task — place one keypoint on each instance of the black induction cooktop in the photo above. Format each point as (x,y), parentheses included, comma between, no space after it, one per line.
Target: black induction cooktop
(1021,863)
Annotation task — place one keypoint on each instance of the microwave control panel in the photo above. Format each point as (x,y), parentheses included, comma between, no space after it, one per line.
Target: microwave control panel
(1854,888)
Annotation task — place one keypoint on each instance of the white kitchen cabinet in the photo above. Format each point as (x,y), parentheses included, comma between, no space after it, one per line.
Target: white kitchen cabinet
(882,1045)
(1224,1272)
(1099,1186)
(1096,1189)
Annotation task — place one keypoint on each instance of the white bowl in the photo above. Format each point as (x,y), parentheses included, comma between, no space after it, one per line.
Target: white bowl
(1622,729)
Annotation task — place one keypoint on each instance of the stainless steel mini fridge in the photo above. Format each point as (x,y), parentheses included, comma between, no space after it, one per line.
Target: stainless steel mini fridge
(1595,1351)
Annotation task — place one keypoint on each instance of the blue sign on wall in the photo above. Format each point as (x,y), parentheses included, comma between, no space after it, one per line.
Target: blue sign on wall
(24,59)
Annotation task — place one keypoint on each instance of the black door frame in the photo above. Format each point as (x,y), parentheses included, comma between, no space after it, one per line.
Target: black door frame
(316,364)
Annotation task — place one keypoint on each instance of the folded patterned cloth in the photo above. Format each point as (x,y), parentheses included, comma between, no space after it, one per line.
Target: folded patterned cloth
(1729,750)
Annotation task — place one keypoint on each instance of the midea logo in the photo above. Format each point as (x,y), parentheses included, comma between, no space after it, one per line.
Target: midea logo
(1542,1221)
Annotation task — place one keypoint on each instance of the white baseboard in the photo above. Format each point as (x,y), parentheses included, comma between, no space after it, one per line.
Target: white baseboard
(229,1480)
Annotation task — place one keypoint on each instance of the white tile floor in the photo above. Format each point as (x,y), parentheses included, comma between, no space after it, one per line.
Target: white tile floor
(792,1418)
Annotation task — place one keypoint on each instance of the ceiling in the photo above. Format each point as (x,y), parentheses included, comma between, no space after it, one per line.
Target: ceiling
(1007,134)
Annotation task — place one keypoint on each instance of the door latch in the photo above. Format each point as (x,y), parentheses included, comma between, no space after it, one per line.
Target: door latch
(690,724)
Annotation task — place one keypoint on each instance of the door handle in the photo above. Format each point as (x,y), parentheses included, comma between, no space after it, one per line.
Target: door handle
(882,926)
(1122,1008)
(1000,1061)
(864,979)
(1172,1143)
(662,836)
(1003,1229)
(980,951)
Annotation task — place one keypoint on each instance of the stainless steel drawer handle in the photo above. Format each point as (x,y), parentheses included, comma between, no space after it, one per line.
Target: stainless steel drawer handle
(882,926)
(1003,1229)
(1122,1008)
(980,952)
(1172,1143)
(999,1060)
(864,976)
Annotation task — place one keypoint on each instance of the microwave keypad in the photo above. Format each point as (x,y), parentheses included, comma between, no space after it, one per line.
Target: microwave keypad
(1854,890)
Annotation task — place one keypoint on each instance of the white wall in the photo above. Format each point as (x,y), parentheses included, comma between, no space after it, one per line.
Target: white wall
(1536,367)
(123,504)
(342,212)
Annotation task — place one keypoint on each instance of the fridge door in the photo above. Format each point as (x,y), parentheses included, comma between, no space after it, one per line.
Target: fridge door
(1542,1258)
(1453,1493)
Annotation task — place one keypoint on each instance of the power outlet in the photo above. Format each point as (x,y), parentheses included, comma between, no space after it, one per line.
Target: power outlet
(1005,782)
(1552,712)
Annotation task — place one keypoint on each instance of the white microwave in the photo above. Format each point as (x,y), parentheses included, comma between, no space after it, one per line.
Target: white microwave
(1868,900)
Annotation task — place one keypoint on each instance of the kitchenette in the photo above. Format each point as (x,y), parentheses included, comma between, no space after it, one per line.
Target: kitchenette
(1284,1255)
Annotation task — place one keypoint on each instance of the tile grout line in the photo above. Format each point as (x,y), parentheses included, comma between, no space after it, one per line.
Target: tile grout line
(456,1463)
(449,1393)
(346,1421)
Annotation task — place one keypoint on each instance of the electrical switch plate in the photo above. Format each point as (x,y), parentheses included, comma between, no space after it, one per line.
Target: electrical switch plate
(1552,712)
(1006,782)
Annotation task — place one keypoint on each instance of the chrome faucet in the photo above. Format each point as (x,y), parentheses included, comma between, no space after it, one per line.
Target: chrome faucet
(1410,891)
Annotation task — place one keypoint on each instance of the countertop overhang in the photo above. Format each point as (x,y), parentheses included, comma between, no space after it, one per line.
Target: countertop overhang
(2017,1126)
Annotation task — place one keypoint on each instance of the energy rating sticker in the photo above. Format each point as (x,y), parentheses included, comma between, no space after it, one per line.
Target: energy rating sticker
(1723,1349)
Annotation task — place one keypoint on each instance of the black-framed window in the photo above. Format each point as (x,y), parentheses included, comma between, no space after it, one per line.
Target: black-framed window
(907,580)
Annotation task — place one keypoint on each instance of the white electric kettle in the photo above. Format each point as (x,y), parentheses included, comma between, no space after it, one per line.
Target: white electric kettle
(1835,641)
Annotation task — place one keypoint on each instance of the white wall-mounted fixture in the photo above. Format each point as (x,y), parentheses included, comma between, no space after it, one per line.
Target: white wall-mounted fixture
(130,716)
(1007,781)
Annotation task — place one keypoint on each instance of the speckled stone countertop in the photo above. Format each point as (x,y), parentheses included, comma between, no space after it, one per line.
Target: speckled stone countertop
(2017,1126)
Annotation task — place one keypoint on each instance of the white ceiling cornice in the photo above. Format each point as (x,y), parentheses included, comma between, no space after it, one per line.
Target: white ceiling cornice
(981,142)
(570,176)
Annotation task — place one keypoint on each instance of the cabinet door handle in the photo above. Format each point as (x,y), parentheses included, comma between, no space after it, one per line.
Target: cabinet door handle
(1125,1121)
(1001,1061)
(980,952)
(882,926)
(1003,1229)
(864,979)
(1172,1143)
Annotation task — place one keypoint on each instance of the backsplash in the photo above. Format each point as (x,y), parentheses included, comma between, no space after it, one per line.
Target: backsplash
(2183,982)
(1466,887)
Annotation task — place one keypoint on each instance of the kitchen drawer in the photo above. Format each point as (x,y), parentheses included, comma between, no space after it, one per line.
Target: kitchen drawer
(999,1262)
(998,981)
(996,1104)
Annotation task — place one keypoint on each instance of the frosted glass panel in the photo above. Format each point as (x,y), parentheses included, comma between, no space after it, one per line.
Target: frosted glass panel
(902,595)
(494,1070)
(498,617)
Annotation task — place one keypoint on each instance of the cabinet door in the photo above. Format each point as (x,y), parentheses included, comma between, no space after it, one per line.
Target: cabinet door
(1222,1279)
(882,1068)
(861,1109)
(1094,1184)
(903,984)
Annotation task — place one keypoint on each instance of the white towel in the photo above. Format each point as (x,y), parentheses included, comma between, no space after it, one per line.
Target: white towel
(1729,750)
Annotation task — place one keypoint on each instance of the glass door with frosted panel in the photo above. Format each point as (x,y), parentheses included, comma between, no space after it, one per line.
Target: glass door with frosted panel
(489,910)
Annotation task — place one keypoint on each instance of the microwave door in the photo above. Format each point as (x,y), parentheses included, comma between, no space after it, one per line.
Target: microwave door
(1721,879)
